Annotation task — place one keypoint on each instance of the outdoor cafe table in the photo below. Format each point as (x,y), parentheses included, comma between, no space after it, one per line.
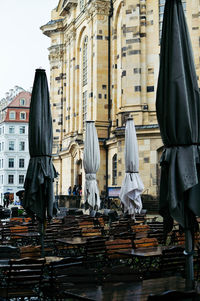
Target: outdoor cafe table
(144,259)
(30,237)
(76,244)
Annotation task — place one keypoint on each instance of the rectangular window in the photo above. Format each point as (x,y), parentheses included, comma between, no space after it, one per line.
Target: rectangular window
(21,179)
(137,88)
(85,62)
(22,102)
(11,129)
(81,4)
(150,89)
(22,116)
(11,162)
(84,107)
(22,129)
(10,179)
(114,170)
(11,146)
(12,115)
(21,163)
(22,145)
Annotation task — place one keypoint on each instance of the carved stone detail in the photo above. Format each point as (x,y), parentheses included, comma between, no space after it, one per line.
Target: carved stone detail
(56,53)
(98,7)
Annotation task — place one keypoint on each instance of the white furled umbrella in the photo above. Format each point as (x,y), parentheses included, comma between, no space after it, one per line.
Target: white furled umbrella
(132,186)
(91,163)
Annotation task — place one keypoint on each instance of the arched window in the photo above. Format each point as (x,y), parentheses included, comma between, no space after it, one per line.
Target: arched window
(114,170)
(85,49)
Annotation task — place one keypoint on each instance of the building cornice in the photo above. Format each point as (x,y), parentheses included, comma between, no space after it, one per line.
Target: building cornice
(52,27)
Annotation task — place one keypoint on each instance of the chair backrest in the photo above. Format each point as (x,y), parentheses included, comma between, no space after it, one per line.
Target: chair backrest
(140,230)
(113,246)
(145,242)
(30,251)
(173,261)
(16,230)
(8,251)
(24,273)
(95,247)
(89,232)
(174,295)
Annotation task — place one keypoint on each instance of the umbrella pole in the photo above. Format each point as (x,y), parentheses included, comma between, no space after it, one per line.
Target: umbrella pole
(42,238)
(189,268)
(189,283)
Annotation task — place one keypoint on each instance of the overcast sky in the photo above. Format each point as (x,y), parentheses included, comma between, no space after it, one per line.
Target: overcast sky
(23,46)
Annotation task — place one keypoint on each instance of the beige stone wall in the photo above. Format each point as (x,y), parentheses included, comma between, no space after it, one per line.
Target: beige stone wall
(134,67)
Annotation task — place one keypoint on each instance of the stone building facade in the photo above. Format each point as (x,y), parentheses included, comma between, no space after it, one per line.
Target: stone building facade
(104,60)
(14,153)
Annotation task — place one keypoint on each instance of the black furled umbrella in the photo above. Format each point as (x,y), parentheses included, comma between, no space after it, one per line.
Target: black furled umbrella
(178,113)
(38,196)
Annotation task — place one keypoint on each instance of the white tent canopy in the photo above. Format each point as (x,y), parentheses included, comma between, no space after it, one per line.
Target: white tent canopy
(91,163)
(132,186)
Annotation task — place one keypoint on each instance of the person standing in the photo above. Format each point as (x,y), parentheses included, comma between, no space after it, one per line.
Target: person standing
(69,190)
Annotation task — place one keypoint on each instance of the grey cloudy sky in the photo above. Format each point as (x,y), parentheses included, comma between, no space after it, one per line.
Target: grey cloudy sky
(23,46)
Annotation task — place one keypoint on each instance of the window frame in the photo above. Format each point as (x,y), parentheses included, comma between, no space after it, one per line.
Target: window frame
(9,163)
(11,127)
(21,183)
(114,169)
(20,161)
(21,149)
(9,146)
(85,61)
(24,102)
(14,115)
(21,132)
(20,116)
(10,177)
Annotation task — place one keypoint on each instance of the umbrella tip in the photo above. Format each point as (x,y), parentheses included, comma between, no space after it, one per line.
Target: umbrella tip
(40,69)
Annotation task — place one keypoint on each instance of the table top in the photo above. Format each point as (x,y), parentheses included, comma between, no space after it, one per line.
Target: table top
(4,263)
(28,234)
(50,259)
(143,252)
(73,241)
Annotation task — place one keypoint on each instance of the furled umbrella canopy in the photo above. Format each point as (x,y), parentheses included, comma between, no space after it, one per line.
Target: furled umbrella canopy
(91,163)
(132,186)
(178,113)
(38,196)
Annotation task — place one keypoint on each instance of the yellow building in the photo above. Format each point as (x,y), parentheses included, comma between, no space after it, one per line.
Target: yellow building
(104,60)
